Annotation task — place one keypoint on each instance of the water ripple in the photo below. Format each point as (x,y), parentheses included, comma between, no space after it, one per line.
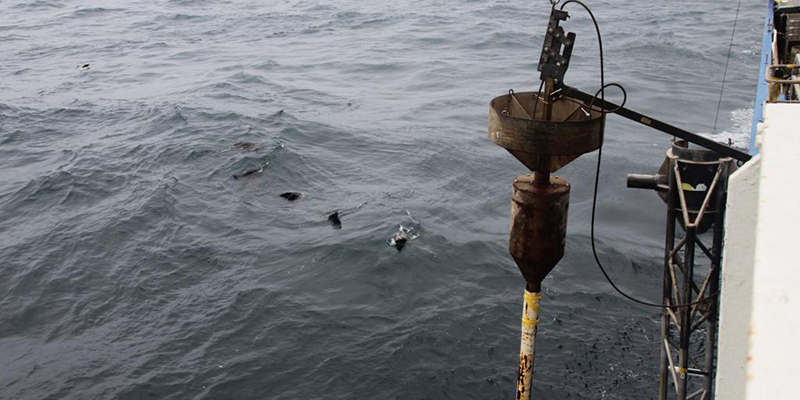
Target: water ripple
(134,265)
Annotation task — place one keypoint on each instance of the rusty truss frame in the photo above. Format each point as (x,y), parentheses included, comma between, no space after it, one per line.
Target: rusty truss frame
(691,288)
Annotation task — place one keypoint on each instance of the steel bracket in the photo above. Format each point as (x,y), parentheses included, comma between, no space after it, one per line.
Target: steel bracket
(557,49)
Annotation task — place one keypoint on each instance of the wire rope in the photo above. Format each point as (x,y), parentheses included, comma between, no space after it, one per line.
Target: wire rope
(601,92)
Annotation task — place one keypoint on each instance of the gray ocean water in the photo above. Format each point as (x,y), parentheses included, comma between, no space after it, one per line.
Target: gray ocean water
(133,266)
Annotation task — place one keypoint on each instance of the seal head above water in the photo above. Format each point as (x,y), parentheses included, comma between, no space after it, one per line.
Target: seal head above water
(334,220)
(291,196)
(401,238)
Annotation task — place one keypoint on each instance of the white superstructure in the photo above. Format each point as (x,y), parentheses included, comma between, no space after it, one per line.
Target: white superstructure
(759,339)
(759,328)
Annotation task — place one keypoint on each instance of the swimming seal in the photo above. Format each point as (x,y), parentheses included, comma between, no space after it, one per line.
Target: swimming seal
(245,147)
(291,196)
(334,219)
(400,238)
(82,67)
(251,172)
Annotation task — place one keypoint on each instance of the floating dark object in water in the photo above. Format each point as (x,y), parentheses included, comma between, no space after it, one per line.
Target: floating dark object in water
(82,67)
(334,219)
(245,146)
(251,172)
(399,241)
(401,238)
(292,196)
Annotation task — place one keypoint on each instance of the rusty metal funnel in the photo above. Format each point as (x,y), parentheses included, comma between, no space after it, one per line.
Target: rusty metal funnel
(549,144)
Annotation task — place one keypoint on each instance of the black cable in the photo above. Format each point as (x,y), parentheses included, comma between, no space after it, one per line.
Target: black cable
(536,102)
(728,60)
(601,92)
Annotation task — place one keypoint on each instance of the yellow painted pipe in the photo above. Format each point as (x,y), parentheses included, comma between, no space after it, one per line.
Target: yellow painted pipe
(530,321)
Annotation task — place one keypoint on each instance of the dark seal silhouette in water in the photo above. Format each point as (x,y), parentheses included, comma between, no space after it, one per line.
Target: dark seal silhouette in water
(334,220)
(245,147)
(402,237)
(335,217)
(251,172)
(291,196)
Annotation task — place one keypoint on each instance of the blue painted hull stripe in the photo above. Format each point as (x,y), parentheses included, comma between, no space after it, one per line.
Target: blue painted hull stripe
(761,87)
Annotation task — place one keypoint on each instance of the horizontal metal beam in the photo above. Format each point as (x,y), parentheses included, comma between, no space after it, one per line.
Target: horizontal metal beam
(720,148)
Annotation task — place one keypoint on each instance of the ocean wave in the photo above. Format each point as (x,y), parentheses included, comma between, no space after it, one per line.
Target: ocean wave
(135,265)
(738,132)
(90,11)
(39,4)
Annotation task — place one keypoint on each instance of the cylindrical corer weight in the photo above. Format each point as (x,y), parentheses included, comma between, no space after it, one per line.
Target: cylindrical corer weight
(538,227)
